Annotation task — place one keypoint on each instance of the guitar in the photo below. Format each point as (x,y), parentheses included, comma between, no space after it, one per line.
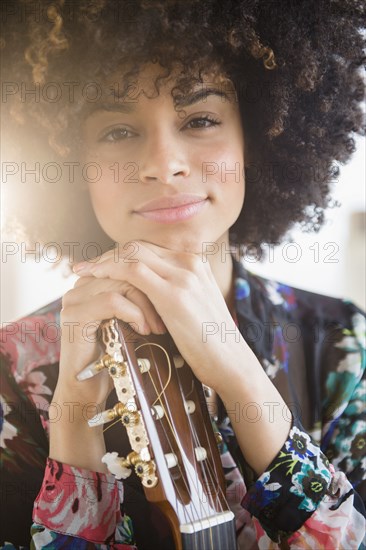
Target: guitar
(174,450)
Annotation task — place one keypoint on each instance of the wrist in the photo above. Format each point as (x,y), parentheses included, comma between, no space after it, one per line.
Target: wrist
(70,408)
(78,444)
(236,371)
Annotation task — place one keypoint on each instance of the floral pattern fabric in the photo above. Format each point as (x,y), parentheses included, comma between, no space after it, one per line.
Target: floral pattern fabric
(84,504)
(312,347)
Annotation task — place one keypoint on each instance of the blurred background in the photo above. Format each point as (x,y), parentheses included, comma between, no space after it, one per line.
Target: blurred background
(331,262)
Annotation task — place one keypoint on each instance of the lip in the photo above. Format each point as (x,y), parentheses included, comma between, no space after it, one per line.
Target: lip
(171,201)
(173,214)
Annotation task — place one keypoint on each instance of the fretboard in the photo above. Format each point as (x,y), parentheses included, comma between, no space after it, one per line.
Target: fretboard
(217,537)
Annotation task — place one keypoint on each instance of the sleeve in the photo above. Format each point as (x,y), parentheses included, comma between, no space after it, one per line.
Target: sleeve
(310,495)
(24,448)
(300,498)
(81,507)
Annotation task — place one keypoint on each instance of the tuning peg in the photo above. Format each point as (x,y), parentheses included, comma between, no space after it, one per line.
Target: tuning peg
(89,371)
(144,469)
(178,361)
(157,412)
(189,406)
(121,467)
(118,466)
(144,365)
(201,453)
(171,460)
(128,417)
(116,368)
(219,438)
(207,390)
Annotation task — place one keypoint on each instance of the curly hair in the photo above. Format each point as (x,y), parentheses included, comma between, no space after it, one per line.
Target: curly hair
(295,67)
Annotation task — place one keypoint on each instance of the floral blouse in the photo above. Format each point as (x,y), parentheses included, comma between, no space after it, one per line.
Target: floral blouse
(312,347)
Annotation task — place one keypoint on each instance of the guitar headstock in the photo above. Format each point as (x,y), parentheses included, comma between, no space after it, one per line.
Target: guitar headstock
(174,449)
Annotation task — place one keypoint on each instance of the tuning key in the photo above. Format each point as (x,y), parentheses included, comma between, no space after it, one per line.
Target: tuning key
(116,368)
(119,467)
(201,453)
(144,365)
(207,390)
(189,406)
(178,361)
(128,414)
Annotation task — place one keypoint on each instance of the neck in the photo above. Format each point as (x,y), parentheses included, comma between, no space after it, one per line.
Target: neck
(222,268)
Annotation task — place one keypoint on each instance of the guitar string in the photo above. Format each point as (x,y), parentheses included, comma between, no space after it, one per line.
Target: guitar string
(114,329)
(206,467)
(223,495)
(170,425)
(169,367)
(211,467)
(166,385)
(211,464)
(193,429)
(166,436)
(186,512)
(189,520)
(201,465)
(205,464)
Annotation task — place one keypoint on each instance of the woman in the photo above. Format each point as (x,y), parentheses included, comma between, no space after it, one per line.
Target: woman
(178,150)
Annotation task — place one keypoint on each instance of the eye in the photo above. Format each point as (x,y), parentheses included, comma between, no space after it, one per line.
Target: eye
(202,120)
(116,134)
(121,133)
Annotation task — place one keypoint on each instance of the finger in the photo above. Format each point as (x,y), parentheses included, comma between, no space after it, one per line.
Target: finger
(165,262)
(143,302)
(82,281)
(90,286)
(115,267)
(105,306)
(95,286)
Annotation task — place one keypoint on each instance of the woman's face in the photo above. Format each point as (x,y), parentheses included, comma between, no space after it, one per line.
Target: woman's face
(148,150)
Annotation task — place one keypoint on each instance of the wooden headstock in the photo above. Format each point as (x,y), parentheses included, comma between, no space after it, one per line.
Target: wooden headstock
(174,449)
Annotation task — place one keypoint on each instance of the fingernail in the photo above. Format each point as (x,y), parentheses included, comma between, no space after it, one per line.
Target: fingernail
(79,267)
(161,327)
(144,328)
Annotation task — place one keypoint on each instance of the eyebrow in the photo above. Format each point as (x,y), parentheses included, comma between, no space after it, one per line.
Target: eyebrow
(183,101)
(200,95)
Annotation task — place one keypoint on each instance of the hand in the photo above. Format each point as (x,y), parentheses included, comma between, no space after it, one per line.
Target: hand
(180,286)
(183,291)
(83,308)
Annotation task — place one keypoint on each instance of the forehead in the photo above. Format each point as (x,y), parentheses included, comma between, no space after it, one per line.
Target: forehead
(128,91)
(153,80)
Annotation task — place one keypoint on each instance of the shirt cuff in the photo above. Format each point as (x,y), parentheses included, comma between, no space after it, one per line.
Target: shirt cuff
(79,502)
(291,488)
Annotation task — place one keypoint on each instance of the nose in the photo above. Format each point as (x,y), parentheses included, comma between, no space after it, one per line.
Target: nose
(163,159)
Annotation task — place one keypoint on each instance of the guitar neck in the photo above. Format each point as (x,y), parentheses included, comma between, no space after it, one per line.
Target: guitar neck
(174,449)
(217,537)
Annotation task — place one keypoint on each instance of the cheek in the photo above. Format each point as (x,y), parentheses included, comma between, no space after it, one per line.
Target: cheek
(104,199)
(230,174)
(108,189)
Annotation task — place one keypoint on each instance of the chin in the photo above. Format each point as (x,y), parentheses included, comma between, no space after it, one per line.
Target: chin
(178,243)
